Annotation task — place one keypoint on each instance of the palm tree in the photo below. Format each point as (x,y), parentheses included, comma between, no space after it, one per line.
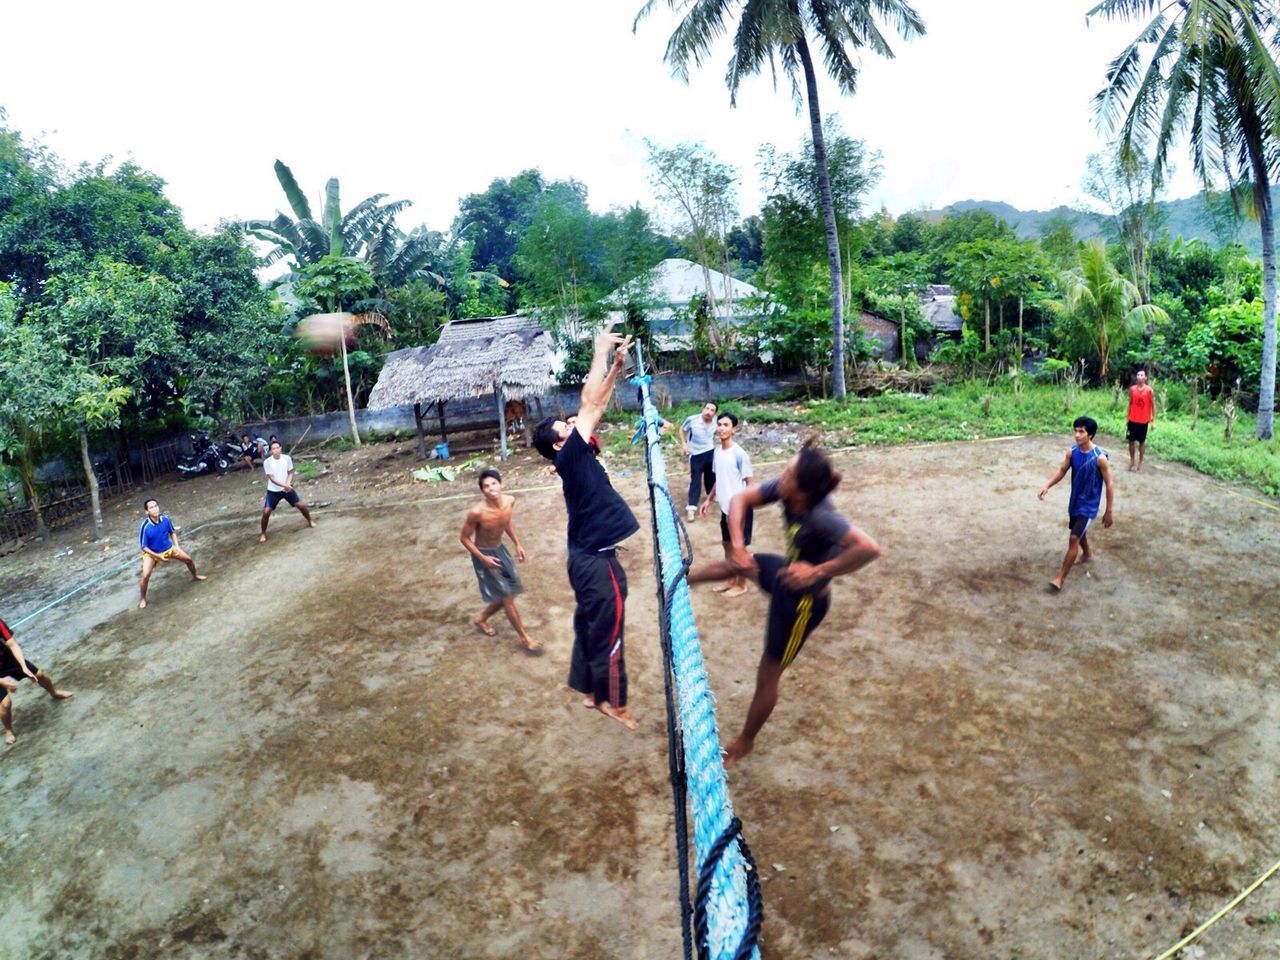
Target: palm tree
(1210,72)
(1102,309)
(773,31)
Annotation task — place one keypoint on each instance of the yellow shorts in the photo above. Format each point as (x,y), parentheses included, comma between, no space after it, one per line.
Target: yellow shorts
(167,555)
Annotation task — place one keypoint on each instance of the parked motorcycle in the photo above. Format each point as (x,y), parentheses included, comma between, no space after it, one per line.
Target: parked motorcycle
(207,456)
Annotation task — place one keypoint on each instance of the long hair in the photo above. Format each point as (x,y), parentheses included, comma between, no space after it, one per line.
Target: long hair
(815,475)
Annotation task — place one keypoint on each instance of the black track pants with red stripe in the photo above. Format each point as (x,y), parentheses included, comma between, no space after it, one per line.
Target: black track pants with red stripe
(600,588)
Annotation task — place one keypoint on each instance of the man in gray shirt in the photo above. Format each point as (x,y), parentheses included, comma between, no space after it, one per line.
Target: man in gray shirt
(697,442)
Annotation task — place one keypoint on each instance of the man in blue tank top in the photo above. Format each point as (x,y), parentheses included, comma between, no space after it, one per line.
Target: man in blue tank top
(1090,473)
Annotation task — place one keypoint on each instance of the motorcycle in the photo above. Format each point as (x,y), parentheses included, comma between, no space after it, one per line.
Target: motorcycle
(207,456)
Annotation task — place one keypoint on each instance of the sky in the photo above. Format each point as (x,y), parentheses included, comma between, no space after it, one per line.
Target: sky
(430,102)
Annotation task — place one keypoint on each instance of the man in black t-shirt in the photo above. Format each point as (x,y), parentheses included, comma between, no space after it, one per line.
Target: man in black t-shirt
(599,519)
(821,545)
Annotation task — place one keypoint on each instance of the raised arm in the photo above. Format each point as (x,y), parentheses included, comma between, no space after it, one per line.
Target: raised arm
(598,387)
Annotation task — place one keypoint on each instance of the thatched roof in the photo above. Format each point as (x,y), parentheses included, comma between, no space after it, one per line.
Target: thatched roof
(469,357)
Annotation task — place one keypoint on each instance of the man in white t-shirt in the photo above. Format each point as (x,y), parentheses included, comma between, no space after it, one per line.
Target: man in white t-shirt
(279,470)
(732,467)
(697,441)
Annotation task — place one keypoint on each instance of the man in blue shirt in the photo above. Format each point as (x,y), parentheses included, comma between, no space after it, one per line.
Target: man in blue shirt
(599,519)
(1090,472)
(158,542)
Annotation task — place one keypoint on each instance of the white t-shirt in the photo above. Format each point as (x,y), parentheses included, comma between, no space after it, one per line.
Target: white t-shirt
(699,435)
(277,471)
(732,467)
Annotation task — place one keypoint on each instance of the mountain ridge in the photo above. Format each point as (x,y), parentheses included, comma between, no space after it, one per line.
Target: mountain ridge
(1189,218)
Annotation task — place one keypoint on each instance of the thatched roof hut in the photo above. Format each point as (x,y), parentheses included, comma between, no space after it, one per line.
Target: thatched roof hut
(511,357)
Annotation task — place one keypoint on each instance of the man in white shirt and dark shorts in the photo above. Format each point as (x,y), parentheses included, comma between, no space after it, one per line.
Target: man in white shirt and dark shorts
(279,470)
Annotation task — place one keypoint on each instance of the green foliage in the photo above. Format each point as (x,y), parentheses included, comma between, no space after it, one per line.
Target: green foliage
(1226,347)
(1101,310)
(336,284)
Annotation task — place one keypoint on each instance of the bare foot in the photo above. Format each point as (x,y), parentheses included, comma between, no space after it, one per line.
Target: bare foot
(484,628)
(1139,469)
(10,737)
(61,694)
(589,702)
(311,523)
(142,604)
(1132,468)
(530,644)
(262,538)
(736,591)
(621,714)
(1055,585)
(199,576)
(1084,558)
(737,750)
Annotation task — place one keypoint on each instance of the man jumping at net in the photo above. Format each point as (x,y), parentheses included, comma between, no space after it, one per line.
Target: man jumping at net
(599,519)
(821,545)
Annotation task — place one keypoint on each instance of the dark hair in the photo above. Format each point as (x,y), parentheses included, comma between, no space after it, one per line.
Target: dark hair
(545,438)
(486,474)
(815,475)
(148,501)
(274,443)
(713,403)
(1090,424)
(728,416)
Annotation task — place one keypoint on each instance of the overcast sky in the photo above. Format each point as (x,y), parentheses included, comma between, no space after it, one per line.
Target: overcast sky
(430,102)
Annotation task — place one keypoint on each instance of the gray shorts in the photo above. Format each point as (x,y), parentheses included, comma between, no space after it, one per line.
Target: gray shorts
(497,583)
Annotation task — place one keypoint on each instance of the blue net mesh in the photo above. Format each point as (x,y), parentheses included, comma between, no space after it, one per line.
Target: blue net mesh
(728,910)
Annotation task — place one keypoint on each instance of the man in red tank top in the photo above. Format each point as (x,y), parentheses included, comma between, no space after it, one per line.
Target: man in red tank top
(1142,414)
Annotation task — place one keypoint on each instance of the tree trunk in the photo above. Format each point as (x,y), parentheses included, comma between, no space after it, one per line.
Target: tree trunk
(1019,332)
(1267,382)
(346,378)
(986,324)
(91,479)
(828,221)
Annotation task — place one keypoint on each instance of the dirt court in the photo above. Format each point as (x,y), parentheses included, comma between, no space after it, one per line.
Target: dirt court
(314,755)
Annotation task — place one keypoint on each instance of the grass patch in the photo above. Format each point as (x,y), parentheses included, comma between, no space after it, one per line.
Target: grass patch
(976,410)
(308,469)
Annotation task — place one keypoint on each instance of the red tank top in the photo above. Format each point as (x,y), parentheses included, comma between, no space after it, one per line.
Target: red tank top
(1140,404)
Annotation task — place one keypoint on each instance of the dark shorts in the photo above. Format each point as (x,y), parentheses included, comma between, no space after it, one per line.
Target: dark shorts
(1079,525)
(600,588)
(1138,432)
(792,616)
(9,668)
(746,527)
(275,496)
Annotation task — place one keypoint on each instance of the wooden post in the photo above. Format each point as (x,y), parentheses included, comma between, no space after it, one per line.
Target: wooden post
(502,421)
(422,438)
(444,437)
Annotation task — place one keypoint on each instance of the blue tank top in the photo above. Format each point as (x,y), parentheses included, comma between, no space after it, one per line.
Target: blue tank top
(1086,482)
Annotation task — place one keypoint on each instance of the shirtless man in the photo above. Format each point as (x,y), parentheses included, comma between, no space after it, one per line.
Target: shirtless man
(496,573)
(158,541)
(14,666)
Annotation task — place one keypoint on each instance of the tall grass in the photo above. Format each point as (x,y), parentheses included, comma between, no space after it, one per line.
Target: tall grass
(976,410)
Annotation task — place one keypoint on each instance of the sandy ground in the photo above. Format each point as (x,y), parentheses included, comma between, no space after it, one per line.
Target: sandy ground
(313,754)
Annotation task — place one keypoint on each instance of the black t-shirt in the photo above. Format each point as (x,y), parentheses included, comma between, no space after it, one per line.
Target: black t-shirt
(813,537)
(598,516)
